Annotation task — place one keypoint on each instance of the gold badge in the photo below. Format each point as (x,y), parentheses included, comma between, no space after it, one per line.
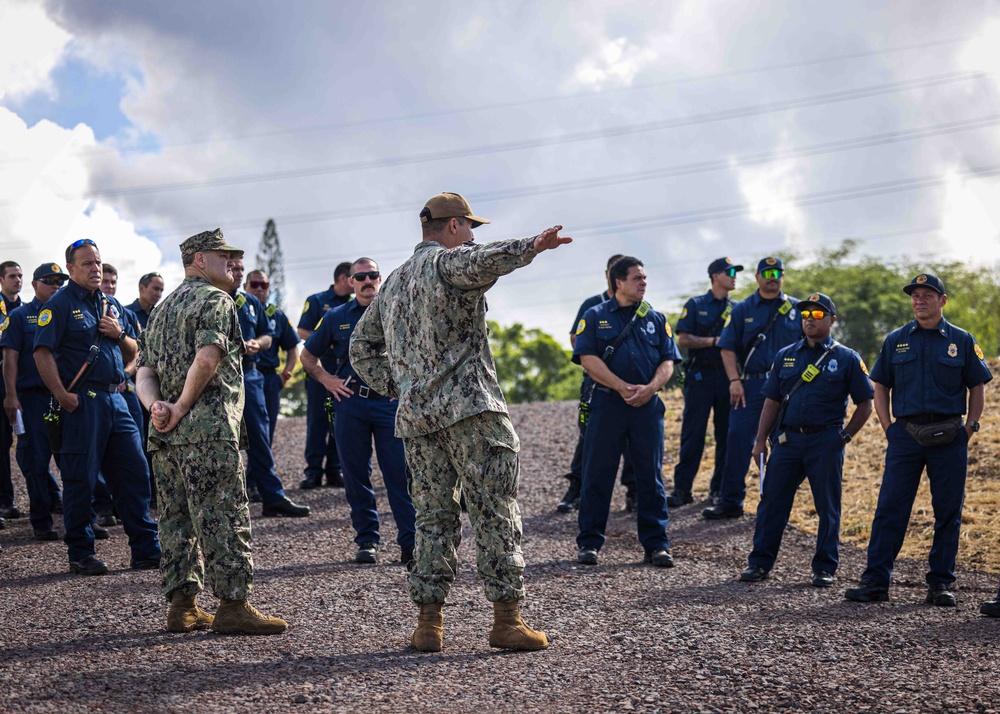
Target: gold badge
(581,326)
(306,308)
(814,297)
(44,318)
(864,367)
(55,268)
(728,261)
(770,261)
(920,279)
(978,350)
(953,350)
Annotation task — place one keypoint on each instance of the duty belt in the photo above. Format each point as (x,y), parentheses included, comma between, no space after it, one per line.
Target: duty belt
(755,375)
(366,392)
(921,419)
(267,370)
(101,386)
(810,429)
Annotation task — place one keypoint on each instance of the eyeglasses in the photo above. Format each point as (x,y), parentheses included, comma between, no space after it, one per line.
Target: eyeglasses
(260,284)
(772,274)
(82,242)
(372,275)
(731,272)
(53,280)
(814,314)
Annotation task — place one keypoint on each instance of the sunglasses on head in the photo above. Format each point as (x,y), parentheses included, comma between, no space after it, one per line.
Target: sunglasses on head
(772,274)
(149,276)
(53,280)
(371,275)
(82,242)
(259,284)
(814,314)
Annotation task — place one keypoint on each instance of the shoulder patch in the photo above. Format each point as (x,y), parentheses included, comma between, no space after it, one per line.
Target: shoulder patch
(684,313)
(305,308)
(318,324)
(582,325)
(978,350)
(44,317)
(3,306)
(864,367)
(729,318)
(4,324)
(666,327)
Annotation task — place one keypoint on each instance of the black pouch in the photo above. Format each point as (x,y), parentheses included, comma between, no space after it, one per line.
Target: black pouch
(584,411)
(53,421)
(937,434)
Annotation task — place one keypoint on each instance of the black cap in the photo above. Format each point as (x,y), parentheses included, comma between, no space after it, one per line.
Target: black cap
(925,280)
(47,269)
(769,263)
(721,265)
(823,302)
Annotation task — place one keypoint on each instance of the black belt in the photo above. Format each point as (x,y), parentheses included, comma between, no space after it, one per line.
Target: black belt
(810,429)
(268,370)
(755,375)
(101,386)
(921,419)
(696,366)
(366,392)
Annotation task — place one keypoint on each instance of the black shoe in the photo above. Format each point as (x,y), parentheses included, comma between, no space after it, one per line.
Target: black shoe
(587,556)
(678,498)
(11,512)
(107,520)
(661,558)
(713,498)
(335,479)
(719,512)
(145,564)
(406,557)
(56,505)
(822,579)
(991,608)
(311,482)
(3,524)
(868,591)
(630,499)
(99,532)
(88,566)
(284,507)
(45,534)
(367,553)
(754,574)
(939,594)
(571,500)
(253,495)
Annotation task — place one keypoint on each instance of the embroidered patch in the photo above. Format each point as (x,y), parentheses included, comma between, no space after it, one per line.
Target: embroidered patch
(831,366)
(55,268)
(814,297)
(666,326)
(651,328)
(44,318)
(318,324)
(581,326)
(864,367)
(770,261)
(920,279)
(953,350)
(4,324)
(684,313)
(305,309)
(978,350)
(791,314)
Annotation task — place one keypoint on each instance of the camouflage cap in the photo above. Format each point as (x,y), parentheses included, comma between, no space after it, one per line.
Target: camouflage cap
(207,241)
(450,205)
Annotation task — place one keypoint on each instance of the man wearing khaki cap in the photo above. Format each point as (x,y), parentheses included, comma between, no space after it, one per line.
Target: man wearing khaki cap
(190,379)
(423,340)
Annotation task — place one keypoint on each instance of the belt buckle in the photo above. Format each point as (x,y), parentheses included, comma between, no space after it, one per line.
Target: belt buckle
(363,391)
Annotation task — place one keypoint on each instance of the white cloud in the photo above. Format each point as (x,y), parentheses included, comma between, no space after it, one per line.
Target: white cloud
(616,64)
(767,189)
(982,53)
(30,47)
(971,218)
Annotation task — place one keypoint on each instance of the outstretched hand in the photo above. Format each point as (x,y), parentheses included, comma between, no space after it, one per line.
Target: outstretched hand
(550,238)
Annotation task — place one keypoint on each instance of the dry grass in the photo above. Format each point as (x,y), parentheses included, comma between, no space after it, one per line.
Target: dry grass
(863,465)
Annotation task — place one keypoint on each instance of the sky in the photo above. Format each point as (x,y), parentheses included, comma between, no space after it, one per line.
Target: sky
(677,132)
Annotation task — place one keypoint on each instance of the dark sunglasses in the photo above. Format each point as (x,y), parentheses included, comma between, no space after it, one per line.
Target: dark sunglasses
(372,275)
(53,280)
(731,272)
(259,284)
(814,314)
(772,274)
(82,242)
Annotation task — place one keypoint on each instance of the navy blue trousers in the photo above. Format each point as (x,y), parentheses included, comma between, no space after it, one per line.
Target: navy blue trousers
(705,390)
(820,458)
(614,428)
(905,460)
(320,443)
(359,421)
(6,441)
(260,460)
(739,445)
(272,400)
(33,457)
(101,436)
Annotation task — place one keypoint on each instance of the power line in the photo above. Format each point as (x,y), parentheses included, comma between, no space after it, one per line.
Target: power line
(624,130)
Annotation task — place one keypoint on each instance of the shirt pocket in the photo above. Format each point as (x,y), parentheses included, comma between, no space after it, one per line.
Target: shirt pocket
(948,373)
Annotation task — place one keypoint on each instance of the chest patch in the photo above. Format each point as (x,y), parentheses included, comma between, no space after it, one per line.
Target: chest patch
(346,326)
(650,328)
(902,347)
(832,366)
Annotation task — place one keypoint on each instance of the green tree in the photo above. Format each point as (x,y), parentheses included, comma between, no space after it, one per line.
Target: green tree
(271,259)
(531,366)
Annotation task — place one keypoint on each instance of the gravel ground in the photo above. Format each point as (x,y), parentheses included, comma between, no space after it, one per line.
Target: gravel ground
(623,636)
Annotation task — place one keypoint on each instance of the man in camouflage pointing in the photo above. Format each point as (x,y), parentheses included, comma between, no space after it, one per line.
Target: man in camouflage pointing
(424,340)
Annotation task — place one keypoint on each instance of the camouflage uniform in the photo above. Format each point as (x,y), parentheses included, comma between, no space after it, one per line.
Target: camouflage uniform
(199,474)
(424,340)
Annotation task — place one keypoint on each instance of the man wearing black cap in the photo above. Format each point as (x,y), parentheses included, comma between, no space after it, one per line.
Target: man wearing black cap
(927,368)
(805,403)
(26,393)
(706,387)
(756,329)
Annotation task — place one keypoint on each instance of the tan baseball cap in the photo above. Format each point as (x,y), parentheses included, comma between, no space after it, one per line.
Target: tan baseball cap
(450,205)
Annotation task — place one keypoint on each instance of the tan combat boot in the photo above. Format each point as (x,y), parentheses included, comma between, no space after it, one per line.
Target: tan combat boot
(239,617)
(510,632)
(430,628)
(184,614)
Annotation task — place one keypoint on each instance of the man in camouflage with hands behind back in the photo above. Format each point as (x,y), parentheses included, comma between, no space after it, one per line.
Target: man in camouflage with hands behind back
(190,379)
(423,339)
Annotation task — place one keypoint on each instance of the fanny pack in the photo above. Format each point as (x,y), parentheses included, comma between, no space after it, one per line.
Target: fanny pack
(937,433)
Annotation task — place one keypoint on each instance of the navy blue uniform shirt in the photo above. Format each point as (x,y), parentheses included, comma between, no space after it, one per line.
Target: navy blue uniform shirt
(700,317)
(315,308)
(283,336)
(18,333)
(823,401)
(141,316)
(332,338)
(586,305)
(6,308)
(67,325)
(748,318)
(929,371)
(253,321)
(647,345)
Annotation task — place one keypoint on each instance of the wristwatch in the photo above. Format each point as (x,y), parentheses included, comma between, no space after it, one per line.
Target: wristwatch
(974,425)
(846,437)
(122,336)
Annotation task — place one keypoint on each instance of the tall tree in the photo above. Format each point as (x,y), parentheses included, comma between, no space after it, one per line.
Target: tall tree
(271,260)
